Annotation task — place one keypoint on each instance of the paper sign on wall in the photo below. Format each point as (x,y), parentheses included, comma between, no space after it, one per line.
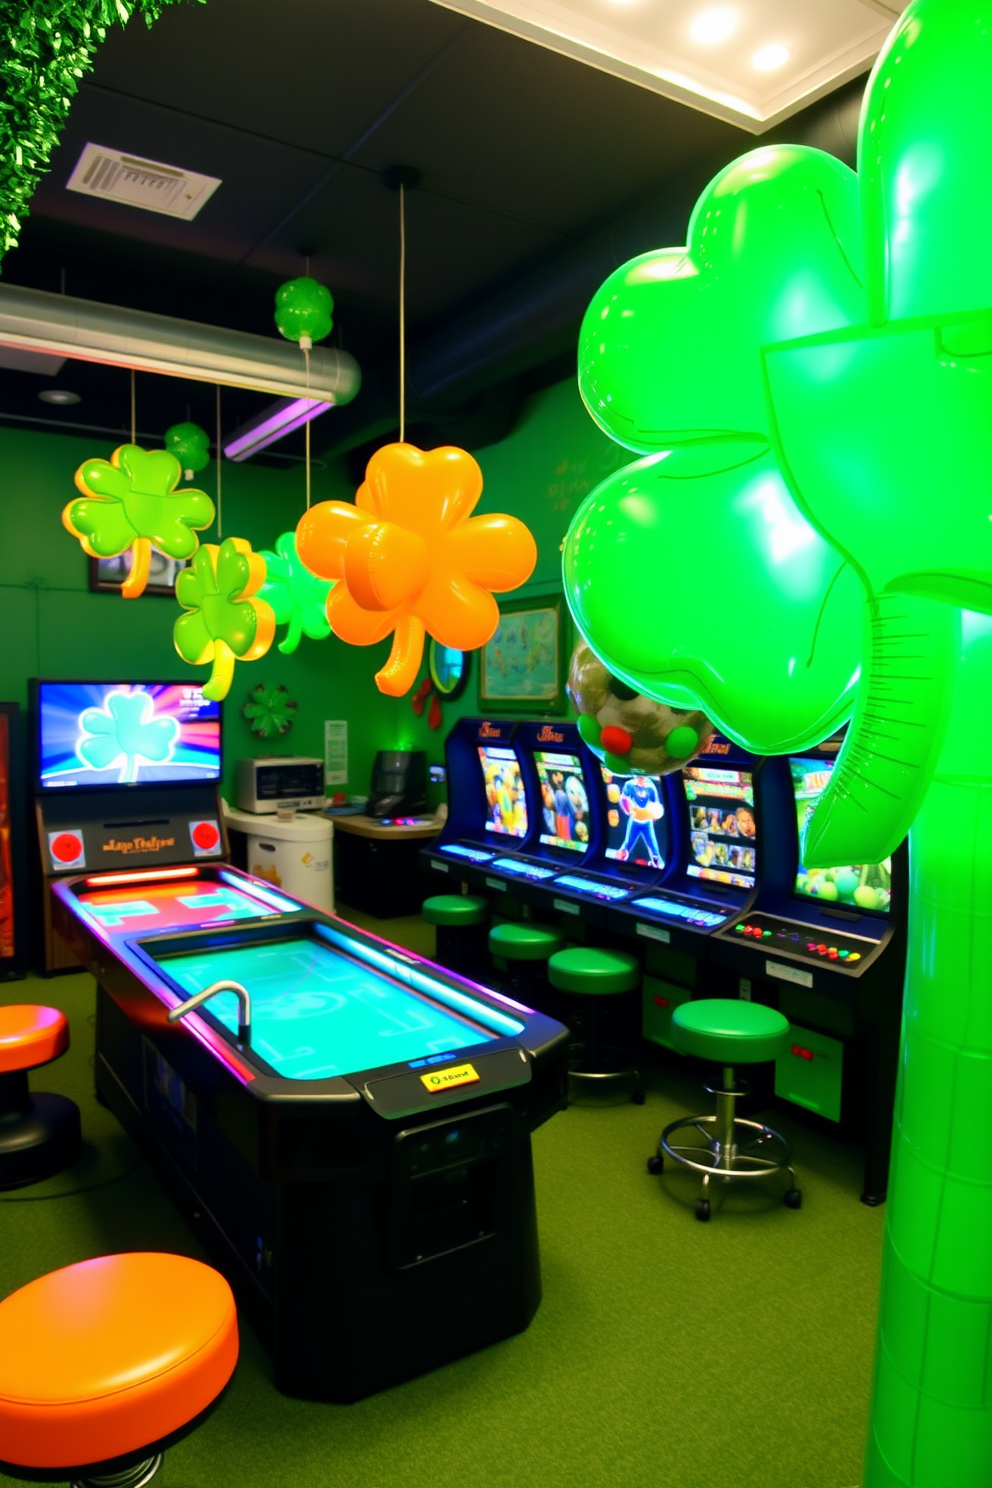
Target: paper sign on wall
(335,752)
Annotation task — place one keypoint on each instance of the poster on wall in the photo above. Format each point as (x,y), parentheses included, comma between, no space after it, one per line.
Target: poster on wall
(9,800)
(335,752)
(522,666)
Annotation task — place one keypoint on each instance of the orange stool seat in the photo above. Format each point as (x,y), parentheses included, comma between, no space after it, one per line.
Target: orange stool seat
(30,1036)
(39,1134)
(106,1360)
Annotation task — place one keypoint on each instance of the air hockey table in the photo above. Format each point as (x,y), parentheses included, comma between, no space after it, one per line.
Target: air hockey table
(357,1159)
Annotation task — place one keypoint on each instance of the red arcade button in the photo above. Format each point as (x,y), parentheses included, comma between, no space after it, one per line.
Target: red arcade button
(205,835)
(67,849)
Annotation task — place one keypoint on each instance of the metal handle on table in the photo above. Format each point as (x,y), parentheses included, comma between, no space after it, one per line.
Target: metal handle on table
(199,998)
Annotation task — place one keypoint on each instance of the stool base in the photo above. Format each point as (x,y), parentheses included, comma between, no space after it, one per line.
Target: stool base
(131,1477)
(729,1150)
(38,1141)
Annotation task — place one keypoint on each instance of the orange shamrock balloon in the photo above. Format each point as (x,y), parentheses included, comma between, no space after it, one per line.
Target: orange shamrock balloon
(409,557)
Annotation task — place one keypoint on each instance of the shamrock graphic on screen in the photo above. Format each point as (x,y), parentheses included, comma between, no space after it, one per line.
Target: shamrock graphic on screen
(223,622)
(131,501)
(125,728)
(298,599)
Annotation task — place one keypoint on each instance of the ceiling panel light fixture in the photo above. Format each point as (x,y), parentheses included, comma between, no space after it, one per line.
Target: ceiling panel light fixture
(272,424)
(676,47)
(770,58)
(713,26)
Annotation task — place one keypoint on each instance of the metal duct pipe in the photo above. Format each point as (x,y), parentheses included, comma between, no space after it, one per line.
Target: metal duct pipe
(62,326)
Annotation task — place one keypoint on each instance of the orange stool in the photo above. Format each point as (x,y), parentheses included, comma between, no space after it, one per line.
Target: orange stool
(39,1134)
(106,1363)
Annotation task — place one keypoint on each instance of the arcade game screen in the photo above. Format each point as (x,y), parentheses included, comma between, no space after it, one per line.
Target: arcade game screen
(506,804)
(125,733)
(636,830)
(722,831)
(564,803)
(863,886)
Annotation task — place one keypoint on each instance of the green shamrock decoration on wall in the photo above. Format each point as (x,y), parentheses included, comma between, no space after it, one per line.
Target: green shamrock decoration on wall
(297,597)
(270,711)
(223,623)
(126,726)
(131,501)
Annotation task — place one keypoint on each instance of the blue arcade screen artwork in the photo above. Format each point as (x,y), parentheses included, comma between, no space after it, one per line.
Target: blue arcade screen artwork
(126,733)
(636,829)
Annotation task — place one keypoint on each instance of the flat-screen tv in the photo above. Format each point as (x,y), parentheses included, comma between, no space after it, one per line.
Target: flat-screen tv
(564,801)
(636,826)
(723,836)
(864,886)
(506,804)
(101,734)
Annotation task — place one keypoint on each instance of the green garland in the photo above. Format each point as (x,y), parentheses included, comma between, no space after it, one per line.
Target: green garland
(46,47)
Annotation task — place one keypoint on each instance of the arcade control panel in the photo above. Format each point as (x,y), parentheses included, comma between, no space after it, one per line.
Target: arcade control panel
(790,938)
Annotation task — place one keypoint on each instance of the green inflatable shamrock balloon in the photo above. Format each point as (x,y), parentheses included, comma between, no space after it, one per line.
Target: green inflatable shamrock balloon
(298,599)
(668,641)
(191,446)
(224,623)
(878,417)
(131,501)
(125,729)
(303,311)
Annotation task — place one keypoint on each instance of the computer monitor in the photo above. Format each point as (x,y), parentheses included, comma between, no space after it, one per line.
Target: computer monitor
(506,804)
(723,834)
(862,886)
(636,824)
(108,734)
(399,782)
(565,818)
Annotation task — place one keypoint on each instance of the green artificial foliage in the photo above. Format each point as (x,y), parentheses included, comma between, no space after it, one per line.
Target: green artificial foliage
(297,597)
(270,711)
(46,48)
(126,728)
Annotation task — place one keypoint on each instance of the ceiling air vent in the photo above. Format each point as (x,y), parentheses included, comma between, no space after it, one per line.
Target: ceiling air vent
(141,183)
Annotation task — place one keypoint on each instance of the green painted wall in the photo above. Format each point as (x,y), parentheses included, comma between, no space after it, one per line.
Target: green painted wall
(52,625)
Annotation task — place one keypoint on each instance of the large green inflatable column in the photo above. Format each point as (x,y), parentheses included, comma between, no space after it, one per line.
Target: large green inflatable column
(932,1405)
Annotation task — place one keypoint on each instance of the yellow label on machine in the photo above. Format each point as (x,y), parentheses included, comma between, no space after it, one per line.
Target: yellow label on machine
(446,1079)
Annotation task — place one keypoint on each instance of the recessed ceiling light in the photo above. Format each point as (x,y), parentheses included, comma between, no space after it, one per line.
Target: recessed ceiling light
(713,26)
(770,57)
(61,396)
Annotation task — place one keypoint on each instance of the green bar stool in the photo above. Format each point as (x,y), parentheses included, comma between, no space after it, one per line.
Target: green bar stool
(592,978)
(728,1032)
(520,949)
(461,921)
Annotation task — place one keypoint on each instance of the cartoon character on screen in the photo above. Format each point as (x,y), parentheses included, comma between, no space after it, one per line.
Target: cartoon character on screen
(548,809)
(563,808)
(506,802)
(641,804)
(579,803)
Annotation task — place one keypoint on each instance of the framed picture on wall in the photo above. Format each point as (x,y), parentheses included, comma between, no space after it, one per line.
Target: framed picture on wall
(11,804)
(523,667)
(108,574)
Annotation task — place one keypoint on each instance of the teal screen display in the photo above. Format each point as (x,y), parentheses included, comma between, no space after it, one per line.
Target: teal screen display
(317,1013)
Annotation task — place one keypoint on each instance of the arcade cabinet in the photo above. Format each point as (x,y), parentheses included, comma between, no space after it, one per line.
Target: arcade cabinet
(126,777)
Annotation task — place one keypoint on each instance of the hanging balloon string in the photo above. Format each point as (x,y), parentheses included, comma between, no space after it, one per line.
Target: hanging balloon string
(402,312)
(220,509)
(306,427)
(134,412)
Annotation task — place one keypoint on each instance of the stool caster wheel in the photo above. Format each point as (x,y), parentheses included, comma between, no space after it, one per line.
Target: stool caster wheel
(703,1209)
(638,1097)
(793,1199)
(656,1164)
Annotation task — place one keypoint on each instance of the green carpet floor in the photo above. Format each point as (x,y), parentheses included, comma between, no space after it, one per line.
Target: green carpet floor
(666,1353)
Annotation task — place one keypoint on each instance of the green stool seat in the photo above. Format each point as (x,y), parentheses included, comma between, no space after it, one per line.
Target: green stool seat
(593,972)
(728,1031)
(455,909)
(517,940)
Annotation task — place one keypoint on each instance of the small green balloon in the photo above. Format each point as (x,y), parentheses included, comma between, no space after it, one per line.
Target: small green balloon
(303,311)
(682,742)
(191,446)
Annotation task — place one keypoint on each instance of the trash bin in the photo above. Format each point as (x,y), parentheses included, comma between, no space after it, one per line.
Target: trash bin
(294,854)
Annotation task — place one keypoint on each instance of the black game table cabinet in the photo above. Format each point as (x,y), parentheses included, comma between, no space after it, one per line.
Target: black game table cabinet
(376,1220)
